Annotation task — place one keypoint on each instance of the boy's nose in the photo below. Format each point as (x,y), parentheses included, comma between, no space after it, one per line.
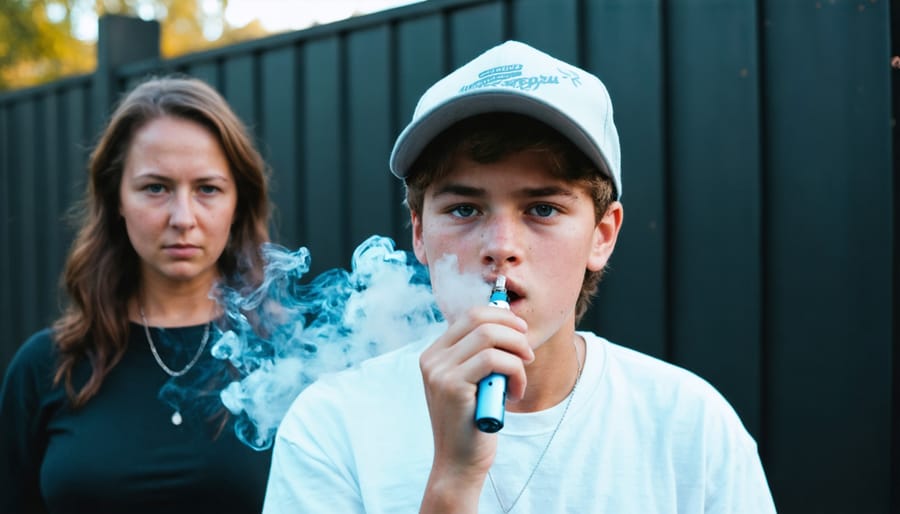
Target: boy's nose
(500,242)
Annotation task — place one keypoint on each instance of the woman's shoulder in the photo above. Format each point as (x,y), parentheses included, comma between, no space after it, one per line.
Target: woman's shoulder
(36,355)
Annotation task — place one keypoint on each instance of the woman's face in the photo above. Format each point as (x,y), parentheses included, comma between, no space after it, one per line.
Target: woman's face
(178,199)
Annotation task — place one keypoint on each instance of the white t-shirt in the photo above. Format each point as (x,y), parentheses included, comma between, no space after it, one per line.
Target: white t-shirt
(640,436)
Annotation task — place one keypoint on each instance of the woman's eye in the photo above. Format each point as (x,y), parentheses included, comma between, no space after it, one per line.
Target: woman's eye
(209,190)
(463,211)
(543,210)
(155,188)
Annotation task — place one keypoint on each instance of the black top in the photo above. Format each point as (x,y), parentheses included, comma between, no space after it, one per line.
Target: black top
(121,452)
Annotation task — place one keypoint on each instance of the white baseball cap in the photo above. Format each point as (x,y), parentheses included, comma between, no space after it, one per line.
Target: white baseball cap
(514,77)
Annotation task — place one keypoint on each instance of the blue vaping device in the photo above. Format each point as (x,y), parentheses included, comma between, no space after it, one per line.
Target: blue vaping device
(491,400)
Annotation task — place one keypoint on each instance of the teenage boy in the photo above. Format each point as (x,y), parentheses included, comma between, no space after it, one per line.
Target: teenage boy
(511,164)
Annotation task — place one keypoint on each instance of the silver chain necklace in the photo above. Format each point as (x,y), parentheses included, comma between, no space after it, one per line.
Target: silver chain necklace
(503,507)
(176,416)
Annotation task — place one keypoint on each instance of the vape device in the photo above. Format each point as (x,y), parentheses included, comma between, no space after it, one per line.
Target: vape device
(491,400)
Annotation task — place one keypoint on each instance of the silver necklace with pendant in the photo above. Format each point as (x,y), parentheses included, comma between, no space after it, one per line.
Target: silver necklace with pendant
(580,366)
(176,416)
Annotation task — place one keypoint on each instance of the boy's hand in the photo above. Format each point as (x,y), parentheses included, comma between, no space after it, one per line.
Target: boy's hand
(482,341)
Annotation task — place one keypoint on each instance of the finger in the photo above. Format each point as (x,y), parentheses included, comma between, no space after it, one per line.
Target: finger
(479,316)
(482,337)
(493,335)
(494,360)
(488,349)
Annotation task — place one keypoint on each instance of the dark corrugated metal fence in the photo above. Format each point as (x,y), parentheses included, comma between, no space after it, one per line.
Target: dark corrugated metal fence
(759,243)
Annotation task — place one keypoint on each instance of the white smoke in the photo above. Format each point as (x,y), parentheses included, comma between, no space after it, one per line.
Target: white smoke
(284,335)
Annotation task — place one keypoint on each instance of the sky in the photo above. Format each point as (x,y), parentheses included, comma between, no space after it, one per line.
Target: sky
(275,15)
(280,15)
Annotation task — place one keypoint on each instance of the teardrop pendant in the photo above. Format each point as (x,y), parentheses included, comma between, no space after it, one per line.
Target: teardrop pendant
(176,418)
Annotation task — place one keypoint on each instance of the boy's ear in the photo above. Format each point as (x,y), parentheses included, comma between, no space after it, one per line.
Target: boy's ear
(418,244)
(605,234)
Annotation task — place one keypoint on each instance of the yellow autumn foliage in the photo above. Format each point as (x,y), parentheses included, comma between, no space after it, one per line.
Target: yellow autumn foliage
(38,40)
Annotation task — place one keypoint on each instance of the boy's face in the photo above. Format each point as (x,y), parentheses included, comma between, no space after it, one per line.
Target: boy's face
(513,217)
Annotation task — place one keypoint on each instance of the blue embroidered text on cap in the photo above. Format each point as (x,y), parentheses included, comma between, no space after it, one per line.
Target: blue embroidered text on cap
(511,76)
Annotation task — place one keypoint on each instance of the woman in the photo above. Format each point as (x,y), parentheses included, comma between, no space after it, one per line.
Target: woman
(177,203)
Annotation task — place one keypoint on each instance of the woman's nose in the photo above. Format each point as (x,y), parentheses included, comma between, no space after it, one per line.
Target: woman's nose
(182,211)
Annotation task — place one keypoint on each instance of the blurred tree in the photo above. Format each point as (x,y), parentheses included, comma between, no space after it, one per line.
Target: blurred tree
(35,48)
(43,40)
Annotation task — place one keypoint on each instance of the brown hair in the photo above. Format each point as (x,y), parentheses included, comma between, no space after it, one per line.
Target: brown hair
(489,138)
(102,266)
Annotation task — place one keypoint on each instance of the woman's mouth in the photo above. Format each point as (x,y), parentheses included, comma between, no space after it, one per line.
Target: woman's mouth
(181,251)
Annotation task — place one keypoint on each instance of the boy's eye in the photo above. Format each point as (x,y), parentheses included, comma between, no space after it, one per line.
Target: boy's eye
(463,211)
(543,210)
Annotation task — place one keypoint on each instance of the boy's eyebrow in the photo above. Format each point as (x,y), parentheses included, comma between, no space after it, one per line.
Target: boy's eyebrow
(527,192)
(539,192)
(459,190)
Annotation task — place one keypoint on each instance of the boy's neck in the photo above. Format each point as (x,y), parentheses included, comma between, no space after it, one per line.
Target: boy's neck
(552,375)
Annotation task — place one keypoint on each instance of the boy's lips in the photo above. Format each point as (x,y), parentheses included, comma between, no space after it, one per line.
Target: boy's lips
(513,290)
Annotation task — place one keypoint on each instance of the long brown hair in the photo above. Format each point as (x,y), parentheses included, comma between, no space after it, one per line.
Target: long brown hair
(491,137)
(102,266)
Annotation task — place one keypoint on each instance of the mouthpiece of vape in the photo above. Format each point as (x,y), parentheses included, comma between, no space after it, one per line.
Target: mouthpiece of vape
(499,296)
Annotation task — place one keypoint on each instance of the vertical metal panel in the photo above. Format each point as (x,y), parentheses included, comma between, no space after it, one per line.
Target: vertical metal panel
(128,79)
(78,140)
(324,203)
(14,222)
(6,242)
(283,142)
(239,88)
(895,253)
(828,255)
(715,181)
(551,25)
(120,40)
(25,239)
(623,46)
(51,247)
(421,61)
(371,188)
(475,29)
(132,82)
(207,71)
